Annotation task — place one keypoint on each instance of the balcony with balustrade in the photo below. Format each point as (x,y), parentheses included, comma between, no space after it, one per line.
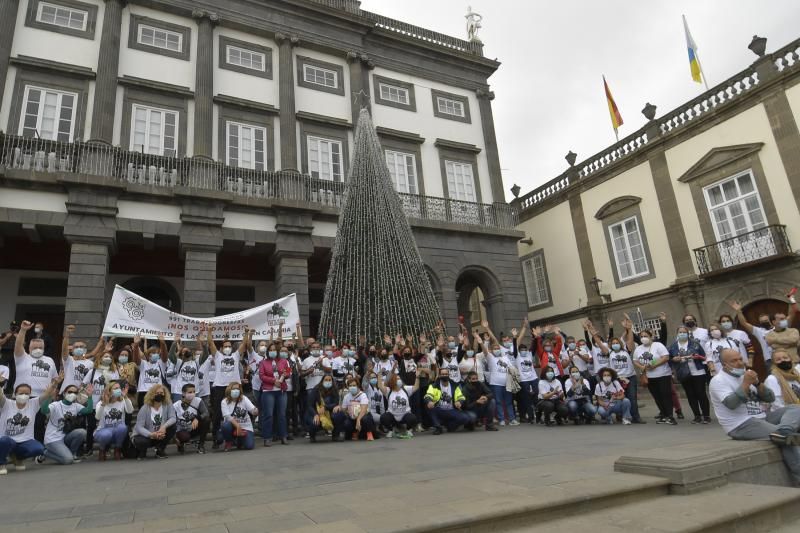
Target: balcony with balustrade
(747,249)
(139,172)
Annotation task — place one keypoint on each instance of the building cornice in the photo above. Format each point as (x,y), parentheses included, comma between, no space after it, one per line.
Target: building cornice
(245,104)
(141,83)
(402,135)
(453,145)
(322,119)
(47,65)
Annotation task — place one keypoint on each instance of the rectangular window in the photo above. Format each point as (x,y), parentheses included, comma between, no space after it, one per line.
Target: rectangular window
(535,273)
(448,106)
(246,146)
(628,249)
(154,131)
(66,17)
(460,181)
(403,171)
(735,206)
(398,95)
(160,38)
(48,114)
(325,159)
(320,76)
(245,58)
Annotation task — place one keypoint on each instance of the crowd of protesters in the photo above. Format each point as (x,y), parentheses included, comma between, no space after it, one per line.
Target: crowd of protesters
(119,398)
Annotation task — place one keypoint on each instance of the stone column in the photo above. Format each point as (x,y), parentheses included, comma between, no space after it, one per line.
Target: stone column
(485,98)
(584,250)
(200,241)
(360,66)
(204,83)
(288,119)
(105,90)
(293,247)
(8,22)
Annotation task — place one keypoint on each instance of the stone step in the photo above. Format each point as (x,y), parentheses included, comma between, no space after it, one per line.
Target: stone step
(736,507)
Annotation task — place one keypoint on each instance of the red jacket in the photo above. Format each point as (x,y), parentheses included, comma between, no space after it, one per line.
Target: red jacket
(558,343)
(266,371)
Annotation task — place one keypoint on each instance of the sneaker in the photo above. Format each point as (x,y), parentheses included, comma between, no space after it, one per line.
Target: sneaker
(680,415)
(706,420)
(390,435)
(76,459)
(419,428)
(697,420)
(267,443)
(502,423)
(19,464)
(437,430)
(161,454)
(626,421)
(227,447)
(490,427)
(354,436)
(201,450)
(181,448)
(661,420)
(670,421)
(284,442)
(3,470)
(408,434)
(513,423)
(370,436)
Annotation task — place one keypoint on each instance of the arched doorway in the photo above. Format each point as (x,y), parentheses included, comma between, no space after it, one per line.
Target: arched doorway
(751,312)
(156,290)
(479,297)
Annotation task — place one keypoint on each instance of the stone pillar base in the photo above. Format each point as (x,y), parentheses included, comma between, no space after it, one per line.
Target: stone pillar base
(291,276)
(200,283)
(86,289)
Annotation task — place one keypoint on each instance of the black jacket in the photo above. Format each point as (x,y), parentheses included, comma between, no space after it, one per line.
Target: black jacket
(473,391)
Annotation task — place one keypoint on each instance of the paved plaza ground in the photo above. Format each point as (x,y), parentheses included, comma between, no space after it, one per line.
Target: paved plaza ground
(365,486)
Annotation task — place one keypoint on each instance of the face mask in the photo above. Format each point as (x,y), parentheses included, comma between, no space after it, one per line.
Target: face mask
(198,354)
(37,353)
(736,372)
(116,393)
(497,353)
(189,396)
(329,353)
(235,393)
(784,365)
(576,375)
(571,346)
(690,324)
(79,352)
(607,380)
(548,349)
(327,384)
(407,356)
(227,350)
(727,326)
(159,397)
(524,353)
(284,355)
(273,355)
(22,399)
(716,334)
(37,330)
(314,353)
(399,384)
(372,353)
(353,391)
(766,325)
(616,347)
(783,324)
(373,381)
(154,358)
(550,376)
(106,361)
(384,355)
(451,345)
(508,345)
(683,337)
(444,379)
(262,350)
(470,353)
(646,341)
(70,397)
(123,359)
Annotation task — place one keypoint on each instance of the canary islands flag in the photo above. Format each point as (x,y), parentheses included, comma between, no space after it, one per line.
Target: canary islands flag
(616,118)
(694,61)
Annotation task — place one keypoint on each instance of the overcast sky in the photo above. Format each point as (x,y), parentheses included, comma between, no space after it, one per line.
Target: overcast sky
(549,92)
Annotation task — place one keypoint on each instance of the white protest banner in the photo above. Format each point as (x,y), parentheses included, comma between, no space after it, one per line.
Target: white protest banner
(130,314)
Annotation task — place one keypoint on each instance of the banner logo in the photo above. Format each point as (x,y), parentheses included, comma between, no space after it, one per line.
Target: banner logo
(133,307)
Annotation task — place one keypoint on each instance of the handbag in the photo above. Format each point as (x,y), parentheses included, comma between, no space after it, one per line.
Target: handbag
(324,418)
(643,380)
(683,372)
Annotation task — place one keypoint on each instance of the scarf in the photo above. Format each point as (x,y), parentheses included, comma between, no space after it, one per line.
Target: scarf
(784,377)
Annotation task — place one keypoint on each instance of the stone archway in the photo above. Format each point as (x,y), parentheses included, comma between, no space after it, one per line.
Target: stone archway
(156,290)
(477,277)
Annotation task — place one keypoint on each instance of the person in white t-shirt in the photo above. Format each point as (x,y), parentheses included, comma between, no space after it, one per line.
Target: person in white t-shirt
(155,423)
(226,371)
(355,405)
(579,397)
(499,360)
(16,424)
(35,369)
(76,361)
(193,419)
(726,323)
(784,380)
(62,440)
(740,403)
(110,414)
(688,359)
(718,341)
(695,332)
(759,331)
(398,414)
(610,397)
(652,358)
(551,397)
(237,425)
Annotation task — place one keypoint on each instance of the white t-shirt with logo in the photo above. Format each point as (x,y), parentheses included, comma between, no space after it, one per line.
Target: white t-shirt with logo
(622,363)
(526,366)
(99,379)
(38,373)
(648,354)
(579,394)
(112,414)
(186,416)
(400,402)
(55,422)
(253,362)
(150,374)
(700,335)
(714,347)
(577,361)
(355,405)
(205,375)
(239,410)
(498,369)
(723,385)
(314,378)
(606,392)
(546,387)
(185,372)
(18,423)
(452,365)
(476,363)
(772,383)
(601,360)
(227,367)
(75,371)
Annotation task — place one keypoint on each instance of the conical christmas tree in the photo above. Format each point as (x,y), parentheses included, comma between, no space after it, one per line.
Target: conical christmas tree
(377,283)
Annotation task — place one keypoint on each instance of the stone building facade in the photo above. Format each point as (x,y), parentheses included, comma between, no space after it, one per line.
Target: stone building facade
(697,208)
(195,151)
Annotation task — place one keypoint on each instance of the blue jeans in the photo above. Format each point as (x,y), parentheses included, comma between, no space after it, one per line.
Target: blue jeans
(64,451)
(620,407)
(503,398)
(785,420)
(452,418)
(20,450)
(273,403)
(247,442)
(584,408)
(111,436)
(527,395)
(632,393)
(479,412)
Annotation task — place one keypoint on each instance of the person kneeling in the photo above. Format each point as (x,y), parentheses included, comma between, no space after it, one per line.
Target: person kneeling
(355,405)
(611,398)
(480,404)
(551,397)
(17,440)
(237,426)
(579,398)
(155,423)
(193,419)
(110,414)
(399,415)
(444,401)
(63,437)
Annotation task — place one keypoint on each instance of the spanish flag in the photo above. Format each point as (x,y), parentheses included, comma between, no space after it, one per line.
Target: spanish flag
(694,60)
(616,118)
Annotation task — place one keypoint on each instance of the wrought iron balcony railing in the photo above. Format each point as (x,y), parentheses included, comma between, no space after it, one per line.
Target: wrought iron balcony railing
(764,243)
(138,169)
